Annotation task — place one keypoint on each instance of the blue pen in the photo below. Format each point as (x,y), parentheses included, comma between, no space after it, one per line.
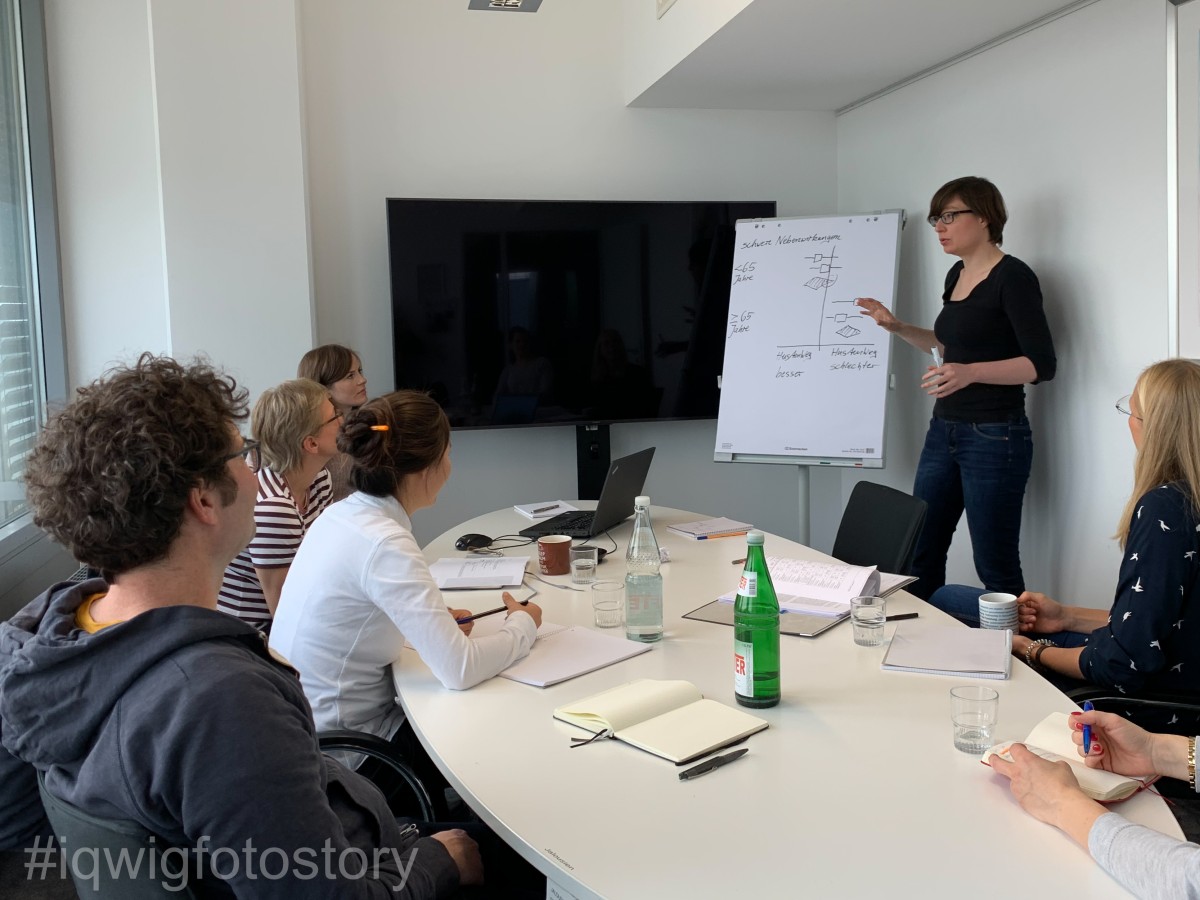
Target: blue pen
(1087,729)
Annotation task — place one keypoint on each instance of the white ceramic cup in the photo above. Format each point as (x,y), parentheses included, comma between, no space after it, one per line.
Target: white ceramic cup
(997,610)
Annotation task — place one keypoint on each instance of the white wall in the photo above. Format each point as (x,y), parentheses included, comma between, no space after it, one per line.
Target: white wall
(179,156)
(432,100)
(1070,122)
(106,168)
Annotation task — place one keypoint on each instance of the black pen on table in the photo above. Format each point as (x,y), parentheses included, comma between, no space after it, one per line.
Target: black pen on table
(490,612)
(899,616)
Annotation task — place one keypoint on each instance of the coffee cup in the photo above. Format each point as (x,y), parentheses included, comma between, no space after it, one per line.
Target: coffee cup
(998,610)
(554,554)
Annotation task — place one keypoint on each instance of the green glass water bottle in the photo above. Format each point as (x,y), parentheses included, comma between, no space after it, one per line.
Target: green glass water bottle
(756,631)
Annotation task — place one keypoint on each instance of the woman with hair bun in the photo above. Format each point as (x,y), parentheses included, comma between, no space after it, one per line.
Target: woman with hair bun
(359,587)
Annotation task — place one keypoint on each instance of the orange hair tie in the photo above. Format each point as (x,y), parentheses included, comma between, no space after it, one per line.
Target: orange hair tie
(379,428)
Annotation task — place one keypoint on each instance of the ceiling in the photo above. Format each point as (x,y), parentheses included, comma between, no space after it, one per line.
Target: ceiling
(827,54)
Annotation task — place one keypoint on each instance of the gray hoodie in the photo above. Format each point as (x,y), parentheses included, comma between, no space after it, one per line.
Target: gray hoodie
(180,720)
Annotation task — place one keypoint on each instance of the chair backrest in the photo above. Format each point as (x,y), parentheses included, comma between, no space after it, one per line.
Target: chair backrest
(113,859)
(880,528)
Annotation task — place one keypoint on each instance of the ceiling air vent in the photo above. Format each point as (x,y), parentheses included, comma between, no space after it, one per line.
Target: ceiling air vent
(506,5)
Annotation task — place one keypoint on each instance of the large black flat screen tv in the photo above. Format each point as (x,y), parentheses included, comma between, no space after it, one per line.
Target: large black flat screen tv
(524,312)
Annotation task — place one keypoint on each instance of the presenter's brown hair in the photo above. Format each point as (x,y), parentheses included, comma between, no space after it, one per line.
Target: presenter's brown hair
(978,195)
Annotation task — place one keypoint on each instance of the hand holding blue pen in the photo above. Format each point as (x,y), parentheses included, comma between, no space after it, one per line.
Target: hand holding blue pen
(1087,729)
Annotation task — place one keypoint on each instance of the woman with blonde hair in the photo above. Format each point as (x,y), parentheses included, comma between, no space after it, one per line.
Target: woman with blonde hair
(296,427)
(340,370)
(1150,638)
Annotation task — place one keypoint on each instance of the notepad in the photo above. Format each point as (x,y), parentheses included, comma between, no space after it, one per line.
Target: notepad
(1051,740)
(671,719)
(707,528)
(479,572)
(950,650)
(563,652)
(545,509)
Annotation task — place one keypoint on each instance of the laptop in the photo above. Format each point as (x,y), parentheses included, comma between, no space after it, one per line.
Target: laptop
(625,479)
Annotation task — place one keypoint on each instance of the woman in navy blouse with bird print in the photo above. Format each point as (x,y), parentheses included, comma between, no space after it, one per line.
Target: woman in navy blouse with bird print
(1150,639)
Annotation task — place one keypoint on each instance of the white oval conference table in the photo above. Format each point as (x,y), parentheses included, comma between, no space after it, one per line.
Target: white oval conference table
(855,789)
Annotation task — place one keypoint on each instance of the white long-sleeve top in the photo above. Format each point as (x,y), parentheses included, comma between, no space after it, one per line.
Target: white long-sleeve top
(358,588)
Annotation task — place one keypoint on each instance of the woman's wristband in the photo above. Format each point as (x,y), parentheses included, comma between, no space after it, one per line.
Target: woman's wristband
(1034,651)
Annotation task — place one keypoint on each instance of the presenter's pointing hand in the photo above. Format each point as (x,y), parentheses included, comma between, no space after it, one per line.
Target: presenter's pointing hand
(880,313)
(532,608)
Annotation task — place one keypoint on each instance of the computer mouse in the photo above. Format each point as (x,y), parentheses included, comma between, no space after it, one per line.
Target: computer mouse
(472,542)
(600,551)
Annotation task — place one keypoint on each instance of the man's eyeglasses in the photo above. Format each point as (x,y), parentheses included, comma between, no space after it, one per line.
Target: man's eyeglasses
(1123,407)
(250,452)
(948,217)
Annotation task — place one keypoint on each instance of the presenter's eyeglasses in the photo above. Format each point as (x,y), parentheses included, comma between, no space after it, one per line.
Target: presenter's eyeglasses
(1123,407)
(948,217)
(250,452)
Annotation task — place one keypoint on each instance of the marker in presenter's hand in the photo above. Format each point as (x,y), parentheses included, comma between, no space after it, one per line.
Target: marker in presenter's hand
(937,357)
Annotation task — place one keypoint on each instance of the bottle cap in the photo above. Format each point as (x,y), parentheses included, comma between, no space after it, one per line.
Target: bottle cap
(754,539)
(641,500)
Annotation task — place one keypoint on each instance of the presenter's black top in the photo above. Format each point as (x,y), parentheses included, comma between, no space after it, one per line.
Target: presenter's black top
(1002,318)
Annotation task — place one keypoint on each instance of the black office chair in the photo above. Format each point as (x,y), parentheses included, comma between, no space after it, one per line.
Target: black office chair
(411,800)
(147,876)
(1166,711)
(880,528)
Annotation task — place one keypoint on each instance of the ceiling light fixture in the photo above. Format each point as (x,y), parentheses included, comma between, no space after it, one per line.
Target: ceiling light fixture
(505,5)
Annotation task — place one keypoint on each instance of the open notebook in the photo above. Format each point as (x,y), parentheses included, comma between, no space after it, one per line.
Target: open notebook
(671,719)
(1051,740)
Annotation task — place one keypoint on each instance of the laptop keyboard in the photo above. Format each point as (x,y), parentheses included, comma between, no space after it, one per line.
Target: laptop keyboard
(572,522)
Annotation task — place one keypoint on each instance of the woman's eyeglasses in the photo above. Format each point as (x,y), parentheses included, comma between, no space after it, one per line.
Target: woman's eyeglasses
(948,217)
(1123,407)
(250,452)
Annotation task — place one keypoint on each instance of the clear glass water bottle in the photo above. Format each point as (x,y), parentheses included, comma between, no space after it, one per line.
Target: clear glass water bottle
(643,581)
(756,631)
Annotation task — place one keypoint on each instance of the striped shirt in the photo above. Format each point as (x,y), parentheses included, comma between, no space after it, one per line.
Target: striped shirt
(279,528)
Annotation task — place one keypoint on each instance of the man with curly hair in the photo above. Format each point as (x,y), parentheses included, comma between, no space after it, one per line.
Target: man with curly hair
(135,699)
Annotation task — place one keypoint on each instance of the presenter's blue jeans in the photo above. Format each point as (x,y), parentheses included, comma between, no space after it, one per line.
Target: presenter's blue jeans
(982,469)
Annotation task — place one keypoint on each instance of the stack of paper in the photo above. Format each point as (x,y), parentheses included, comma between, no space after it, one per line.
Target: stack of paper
(562,652)
(545,509)
(950,650)
(710,528)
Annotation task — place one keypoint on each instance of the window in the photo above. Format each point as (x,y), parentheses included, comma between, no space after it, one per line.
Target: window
(32,361)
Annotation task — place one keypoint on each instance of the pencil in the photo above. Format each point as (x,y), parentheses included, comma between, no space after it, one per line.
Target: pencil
(490,612)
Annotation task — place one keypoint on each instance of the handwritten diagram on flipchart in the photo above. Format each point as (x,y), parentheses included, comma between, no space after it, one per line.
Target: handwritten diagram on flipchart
(806,371)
